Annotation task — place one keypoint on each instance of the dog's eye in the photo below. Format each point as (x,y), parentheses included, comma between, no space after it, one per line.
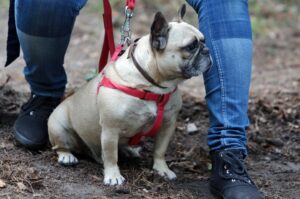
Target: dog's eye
(191,47)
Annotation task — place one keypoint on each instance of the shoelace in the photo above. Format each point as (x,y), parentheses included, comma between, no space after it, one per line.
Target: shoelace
(40,103)
(234,168)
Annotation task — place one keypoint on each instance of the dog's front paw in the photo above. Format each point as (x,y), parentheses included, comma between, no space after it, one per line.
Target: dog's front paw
(163,170)
(67,159)
(112,176)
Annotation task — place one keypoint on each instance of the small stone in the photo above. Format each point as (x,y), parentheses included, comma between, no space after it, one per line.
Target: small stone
(145,190)
(2,184)
(191,128)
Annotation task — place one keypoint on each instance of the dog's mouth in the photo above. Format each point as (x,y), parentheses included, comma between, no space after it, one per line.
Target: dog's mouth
(205,64)
(194,68)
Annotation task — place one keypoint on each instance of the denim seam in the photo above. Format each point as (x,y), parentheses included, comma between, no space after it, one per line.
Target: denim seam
(220,73)
(221,78)
(214,47)
(212,90)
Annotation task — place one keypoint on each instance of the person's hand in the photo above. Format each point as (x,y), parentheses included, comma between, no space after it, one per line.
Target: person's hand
(194,3)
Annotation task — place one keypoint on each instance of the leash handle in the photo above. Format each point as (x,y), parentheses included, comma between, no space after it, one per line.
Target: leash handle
(12,43)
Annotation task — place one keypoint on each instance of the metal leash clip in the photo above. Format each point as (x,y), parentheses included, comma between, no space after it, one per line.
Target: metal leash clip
(125,30)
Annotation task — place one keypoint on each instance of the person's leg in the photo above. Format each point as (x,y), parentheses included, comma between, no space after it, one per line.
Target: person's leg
(226,26)
(227,30)
(44,29)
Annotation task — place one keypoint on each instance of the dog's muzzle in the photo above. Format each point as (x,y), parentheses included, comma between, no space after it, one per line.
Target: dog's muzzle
(200,63)
(206,66)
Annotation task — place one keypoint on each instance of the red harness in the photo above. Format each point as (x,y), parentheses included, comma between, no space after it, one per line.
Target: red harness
(109,47)
(161,101)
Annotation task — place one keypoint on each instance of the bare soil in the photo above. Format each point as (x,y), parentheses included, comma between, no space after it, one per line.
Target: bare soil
(273,136)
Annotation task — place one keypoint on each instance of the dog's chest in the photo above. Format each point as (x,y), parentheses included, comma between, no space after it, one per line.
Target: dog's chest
(142,116)
(151,109)
(144,113)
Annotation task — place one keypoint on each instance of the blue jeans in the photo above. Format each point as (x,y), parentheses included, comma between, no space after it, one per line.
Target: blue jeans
(44,28)
(225,24)
(227,30)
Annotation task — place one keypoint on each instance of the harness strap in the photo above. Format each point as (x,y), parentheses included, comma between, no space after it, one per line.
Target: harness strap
(161,101)
(135,140)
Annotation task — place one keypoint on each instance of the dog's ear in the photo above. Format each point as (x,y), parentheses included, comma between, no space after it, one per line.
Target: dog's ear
(159,32)
(180,14)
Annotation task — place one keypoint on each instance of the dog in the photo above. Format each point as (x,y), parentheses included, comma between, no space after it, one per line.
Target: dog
(97,119)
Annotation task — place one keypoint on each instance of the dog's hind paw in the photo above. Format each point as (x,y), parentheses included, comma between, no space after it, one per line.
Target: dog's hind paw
(67,159)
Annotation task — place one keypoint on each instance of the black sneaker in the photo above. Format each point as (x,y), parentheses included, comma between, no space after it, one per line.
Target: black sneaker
(229,179)
(31,125)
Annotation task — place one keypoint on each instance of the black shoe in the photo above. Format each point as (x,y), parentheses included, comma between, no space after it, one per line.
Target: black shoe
(31,125)
(229,179)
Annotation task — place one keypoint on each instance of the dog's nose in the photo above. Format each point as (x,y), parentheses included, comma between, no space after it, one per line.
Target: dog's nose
(205,51)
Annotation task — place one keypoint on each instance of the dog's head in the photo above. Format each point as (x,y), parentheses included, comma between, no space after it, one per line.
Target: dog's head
(179,48)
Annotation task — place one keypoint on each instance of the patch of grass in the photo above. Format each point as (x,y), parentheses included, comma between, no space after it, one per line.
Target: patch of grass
(271,15)
(4,4)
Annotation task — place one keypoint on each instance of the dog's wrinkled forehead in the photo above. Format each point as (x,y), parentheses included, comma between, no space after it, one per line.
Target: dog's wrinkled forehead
(183,33)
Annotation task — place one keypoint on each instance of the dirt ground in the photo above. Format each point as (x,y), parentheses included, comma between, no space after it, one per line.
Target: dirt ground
(273,136)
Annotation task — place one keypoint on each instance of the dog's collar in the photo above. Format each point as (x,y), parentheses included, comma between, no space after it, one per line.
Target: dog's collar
(160,99)
(138,66)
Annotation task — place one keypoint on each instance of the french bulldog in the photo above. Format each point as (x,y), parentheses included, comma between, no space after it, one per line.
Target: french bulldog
(96,124)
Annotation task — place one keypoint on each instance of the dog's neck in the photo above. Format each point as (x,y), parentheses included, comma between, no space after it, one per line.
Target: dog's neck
(124,72)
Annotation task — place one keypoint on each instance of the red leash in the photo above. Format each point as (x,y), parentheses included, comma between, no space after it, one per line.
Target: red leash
(108,44)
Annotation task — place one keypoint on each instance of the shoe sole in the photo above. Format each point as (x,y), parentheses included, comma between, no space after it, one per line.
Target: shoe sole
(216,193)
(26,142)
